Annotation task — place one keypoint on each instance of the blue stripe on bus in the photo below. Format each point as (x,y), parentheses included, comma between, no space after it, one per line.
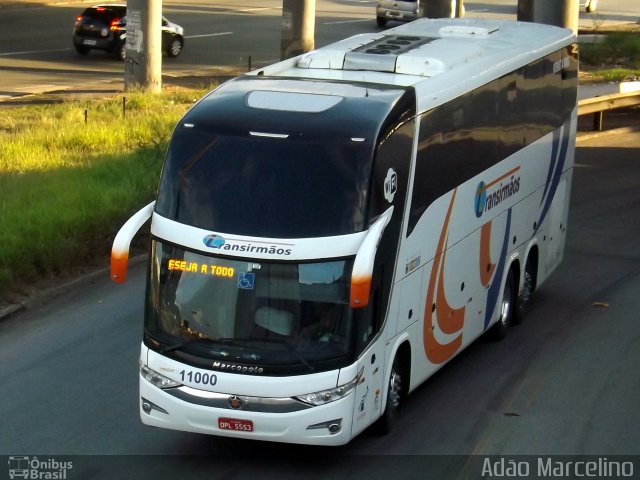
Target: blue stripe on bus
(494,288)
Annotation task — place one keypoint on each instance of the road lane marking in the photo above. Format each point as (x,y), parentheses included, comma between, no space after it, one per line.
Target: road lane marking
(209,35)
(255,9)
(25,52)
(348,21)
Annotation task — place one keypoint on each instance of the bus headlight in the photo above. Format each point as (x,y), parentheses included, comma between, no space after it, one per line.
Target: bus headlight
(328,396)
(156,379)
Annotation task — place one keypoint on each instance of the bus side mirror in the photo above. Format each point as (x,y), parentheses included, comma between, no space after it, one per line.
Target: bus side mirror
(120,248)
(363,264)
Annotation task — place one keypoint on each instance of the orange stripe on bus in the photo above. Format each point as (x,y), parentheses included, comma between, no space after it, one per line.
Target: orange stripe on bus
(499,179)
(486,267)
(450,320)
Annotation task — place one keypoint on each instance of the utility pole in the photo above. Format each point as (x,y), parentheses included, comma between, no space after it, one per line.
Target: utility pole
(143,47)
(525,10)
(298,27)
(561,13)
(443,8)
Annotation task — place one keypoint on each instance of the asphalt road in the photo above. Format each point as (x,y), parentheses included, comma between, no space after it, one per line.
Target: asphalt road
(565,382)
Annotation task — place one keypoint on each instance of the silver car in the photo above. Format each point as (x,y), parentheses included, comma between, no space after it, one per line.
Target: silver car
(399,10)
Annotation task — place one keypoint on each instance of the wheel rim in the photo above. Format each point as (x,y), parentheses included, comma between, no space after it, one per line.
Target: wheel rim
(395,387)
(507,303)
(527,287)
(176,48)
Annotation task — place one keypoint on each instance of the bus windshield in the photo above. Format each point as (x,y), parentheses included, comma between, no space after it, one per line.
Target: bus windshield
(249,312)
(263,186)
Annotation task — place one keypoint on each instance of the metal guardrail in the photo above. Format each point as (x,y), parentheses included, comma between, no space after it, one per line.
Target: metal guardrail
(598,105)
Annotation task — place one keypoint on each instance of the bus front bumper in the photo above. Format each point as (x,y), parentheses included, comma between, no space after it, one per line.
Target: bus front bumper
(328,424)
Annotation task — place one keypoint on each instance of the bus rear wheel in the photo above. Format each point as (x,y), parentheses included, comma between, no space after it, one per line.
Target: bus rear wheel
(524,299)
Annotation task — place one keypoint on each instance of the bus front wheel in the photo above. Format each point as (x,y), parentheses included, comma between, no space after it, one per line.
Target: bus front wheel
(394,397)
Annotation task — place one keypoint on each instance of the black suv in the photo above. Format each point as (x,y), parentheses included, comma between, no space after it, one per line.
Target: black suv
(103,27)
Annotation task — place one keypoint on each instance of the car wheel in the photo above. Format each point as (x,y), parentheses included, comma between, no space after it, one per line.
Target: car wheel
(121,52)
(82,50)
(394,396)
(507,304)
(381,21)
(175,47)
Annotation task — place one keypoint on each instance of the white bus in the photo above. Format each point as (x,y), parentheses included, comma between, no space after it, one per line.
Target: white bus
(332,229)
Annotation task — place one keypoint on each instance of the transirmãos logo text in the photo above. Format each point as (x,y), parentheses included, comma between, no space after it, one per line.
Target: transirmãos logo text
(492,194)
(246,246)
(213,241)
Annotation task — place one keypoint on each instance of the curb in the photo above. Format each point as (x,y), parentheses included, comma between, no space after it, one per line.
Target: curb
(66,286)
(591,135)
(11,310)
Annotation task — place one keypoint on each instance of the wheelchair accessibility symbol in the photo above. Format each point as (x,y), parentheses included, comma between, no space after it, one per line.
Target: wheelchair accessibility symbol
(246,280)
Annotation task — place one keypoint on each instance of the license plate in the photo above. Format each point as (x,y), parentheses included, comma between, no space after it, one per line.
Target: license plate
(89,42)
(235,424)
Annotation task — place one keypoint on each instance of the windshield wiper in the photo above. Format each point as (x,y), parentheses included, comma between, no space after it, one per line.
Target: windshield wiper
(176,346)
(290,349)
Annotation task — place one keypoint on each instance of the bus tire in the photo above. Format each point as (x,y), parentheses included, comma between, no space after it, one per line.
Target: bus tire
(381,21)
(528,287)
(507,308)
(394,396)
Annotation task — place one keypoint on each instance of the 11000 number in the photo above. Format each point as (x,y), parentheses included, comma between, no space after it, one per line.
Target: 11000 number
(197,377)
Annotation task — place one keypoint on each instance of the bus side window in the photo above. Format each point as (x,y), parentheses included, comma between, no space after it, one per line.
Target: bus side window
(510,116)
(430,141)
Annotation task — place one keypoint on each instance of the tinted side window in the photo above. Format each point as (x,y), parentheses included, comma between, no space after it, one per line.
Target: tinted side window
(464,137)
(534,102)
(552,96)
(430,140)
(510,115)
(569,79)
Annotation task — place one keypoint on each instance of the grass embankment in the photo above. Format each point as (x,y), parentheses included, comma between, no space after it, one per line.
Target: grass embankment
(67,186)
(615,58)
